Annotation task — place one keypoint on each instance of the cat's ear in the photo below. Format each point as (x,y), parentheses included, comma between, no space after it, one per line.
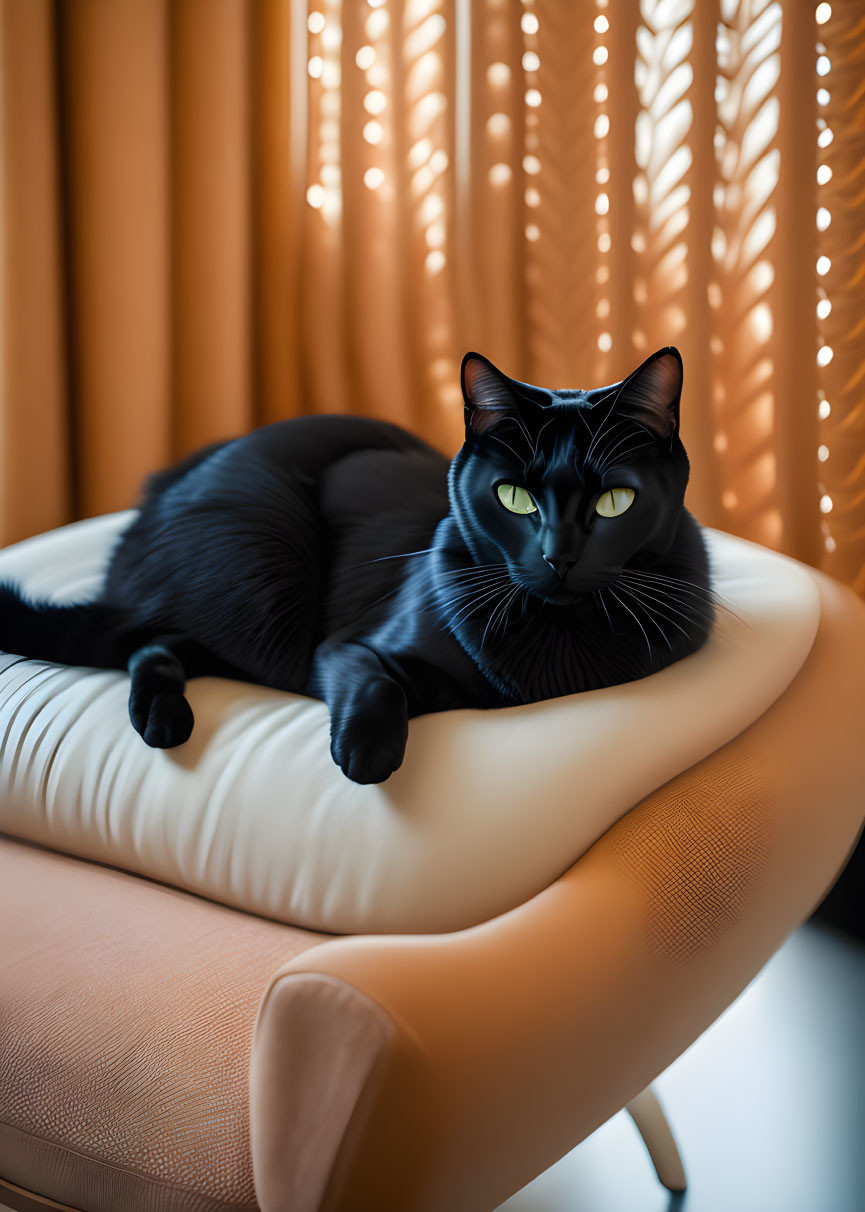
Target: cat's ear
(651,394)
(486,394)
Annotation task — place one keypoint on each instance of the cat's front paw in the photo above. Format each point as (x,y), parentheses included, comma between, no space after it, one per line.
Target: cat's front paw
(162,720)
(368,738)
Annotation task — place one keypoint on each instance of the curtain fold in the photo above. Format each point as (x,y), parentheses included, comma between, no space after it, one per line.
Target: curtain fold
(35,479)
(210,148)
(114,129)
(216,214)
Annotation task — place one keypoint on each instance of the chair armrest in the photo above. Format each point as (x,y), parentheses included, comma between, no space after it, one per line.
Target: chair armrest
(488,1053)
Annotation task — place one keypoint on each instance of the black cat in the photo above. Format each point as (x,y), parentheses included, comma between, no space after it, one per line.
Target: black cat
(342,558)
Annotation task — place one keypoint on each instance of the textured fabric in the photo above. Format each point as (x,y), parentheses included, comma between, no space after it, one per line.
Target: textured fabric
(487,809)
(323,1040)
(234,214)
(701,852)
(126,1015)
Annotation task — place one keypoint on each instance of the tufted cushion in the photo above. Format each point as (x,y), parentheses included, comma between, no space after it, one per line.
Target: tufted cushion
(488,808)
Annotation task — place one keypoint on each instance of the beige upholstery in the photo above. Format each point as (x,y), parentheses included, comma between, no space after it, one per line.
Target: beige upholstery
(125,1029)
(413,1073)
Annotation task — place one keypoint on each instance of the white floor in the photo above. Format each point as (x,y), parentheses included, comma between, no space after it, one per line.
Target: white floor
(768,1106)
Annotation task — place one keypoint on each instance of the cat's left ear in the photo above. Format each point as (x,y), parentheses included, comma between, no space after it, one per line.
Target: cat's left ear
(651,394)
(486,394)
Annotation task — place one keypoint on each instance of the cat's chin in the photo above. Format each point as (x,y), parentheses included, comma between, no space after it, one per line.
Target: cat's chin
(561,596)
(565,595)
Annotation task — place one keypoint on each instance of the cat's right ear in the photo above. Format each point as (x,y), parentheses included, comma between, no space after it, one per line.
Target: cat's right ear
(486,394)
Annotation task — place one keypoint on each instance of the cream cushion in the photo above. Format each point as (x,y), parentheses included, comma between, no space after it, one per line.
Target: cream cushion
(488,808)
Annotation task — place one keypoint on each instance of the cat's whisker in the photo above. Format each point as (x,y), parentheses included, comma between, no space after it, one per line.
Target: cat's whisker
(486,595)
(608,455)
(633,616)
(638,597)
(470,570)
(650,615)
(663,595)
(496,599)
(499,606)
(666,576)
(692,586)
(522,396)
(600,593)
(709,606)
(465,578)
(471,582)
(614,426)
(494,438)
(503,622)
(615,393)
(472,592)
(538,437)
(718,599)
(402,555)
(583,419)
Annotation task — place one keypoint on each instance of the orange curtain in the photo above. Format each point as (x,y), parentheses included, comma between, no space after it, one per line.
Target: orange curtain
(218,213)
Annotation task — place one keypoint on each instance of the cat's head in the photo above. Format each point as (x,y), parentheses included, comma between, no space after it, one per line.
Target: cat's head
(567,486)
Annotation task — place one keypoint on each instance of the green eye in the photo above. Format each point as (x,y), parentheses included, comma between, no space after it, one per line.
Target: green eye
(614,502)
(516,499)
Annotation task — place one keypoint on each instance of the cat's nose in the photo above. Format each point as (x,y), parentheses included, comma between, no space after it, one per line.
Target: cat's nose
(560,564)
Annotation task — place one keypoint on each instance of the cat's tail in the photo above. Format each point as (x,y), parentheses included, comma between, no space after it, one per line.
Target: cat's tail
(87,633)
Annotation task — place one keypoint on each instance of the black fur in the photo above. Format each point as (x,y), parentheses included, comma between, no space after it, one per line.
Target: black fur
(342,558)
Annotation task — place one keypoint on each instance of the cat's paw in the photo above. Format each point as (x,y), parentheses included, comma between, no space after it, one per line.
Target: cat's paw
(163,721)
(368,740)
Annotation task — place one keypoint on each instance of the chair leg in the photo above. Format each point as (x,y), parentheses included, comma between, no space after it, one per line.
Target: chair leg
(651,1123)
